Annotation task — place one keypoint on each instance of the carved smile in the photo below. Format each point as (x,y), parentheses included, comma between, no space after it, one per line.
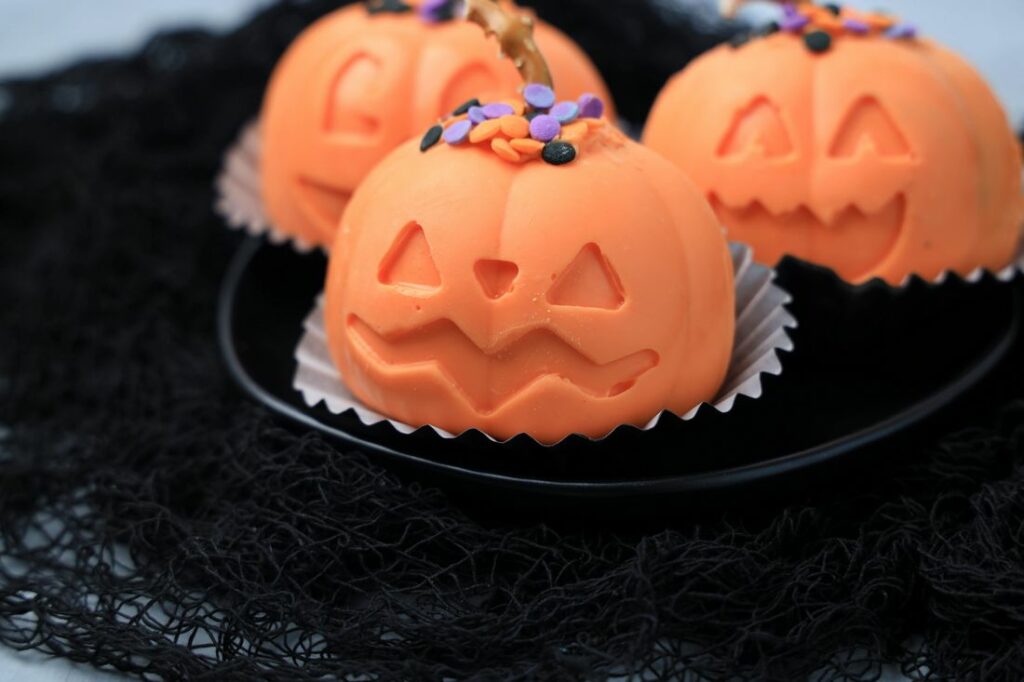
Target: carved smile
(322,203)
(853,243)
(491,378)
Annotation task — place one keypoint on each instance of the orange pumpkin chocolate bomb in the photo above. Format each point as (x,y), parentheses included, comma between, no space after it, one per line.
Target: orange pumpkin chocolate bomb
(846,140)
(525,268)
(364,79)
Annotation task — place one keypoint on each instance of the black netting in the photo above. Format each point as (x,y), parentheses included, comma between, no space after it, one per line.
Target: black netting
(154,520)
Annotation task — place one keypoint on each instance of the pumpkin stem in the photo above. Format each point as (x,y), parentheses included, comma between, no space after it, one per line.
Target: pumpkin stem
(730,7)
(515,34)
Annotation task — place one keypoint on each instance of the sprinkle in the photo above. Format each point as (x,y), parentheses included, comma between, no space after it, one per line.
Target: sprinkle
(559,153)
(485,131)
(497,110)
(545,128)
(900,31)
(527,147)
(830,23)
(835,9)
(458,133)
(504,150)
(388,7)
(794,23)
(464,109)
(574,132)
(591,106)
(539,96)
(789,9)
(566,112)
(477,115)
(432,137)
(818,42)
(857,26)
(880,21)
(431,10)
(739,40)
(518,108)
(771,28)
(595,123)
(514,126)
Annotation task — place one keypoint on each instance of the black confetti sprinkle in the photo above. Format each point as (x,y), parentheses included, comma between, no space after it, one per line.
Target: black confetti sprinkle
(739,40)
(770,28)
(818,41)
(466,107)
(432,137)
(559,153)
(447,11)
(387,7)
(834,8)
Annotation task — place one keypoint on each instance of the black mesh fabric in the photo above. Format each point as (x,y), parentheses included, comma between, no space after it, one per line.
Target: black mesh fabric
(155,521)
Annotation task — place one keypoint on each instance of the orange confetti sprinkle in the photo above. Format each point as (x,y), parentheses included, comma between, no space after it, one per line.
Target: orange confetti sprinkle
(515,126)
(830,23)
(527,146)
(485,131)
(595,123)
(503,148)
(880,21)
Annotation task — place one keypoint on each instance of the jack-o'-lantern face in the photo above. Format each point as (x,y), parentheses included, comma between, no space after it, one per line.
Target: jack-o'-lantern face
(527,297)
(868,158)
(355,85)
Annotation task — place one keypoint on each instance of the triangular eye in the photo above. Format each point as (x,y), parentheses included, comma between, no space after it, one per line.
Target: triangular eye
(409,263)
(353,83)
(868,124)
(588,282)
(757,129)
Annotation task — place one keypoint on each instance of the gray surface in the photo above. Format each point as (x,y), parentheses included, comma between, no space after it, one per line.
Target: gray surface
(36,35)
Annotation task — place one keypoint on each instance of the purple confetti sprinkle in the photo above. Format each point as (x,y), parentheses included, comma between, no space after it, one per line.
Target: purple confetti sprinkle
(856,26)
(790,10)
(565,112)
(498,109)
(591,106)
(539,96)
(795,23)
(457,133)
(545,128)
(430,10)
(477,115)
(902,31)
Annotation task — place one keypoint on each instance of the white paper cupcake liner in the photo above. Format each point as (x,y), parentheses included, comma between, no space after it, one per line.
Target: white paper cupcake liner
(1006,275)
(239,200)
(762,322)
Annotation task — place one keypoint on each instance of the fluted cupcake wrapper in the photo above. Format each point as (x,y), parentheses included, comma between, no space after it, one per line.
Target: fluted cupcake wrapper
(762,322)
(239,200)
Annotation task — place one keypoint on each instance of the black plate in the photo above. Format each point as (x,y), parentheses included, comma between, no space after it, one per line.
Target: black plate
(833,401)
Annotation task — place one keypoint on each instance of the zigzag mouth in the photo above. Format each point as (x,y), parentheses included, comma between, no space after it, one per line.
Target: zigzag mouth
(854,243)
(489,379)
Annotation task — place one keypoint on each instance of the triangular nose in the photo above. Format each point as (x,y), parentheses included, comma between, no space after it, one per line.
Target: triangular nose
(496,277)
